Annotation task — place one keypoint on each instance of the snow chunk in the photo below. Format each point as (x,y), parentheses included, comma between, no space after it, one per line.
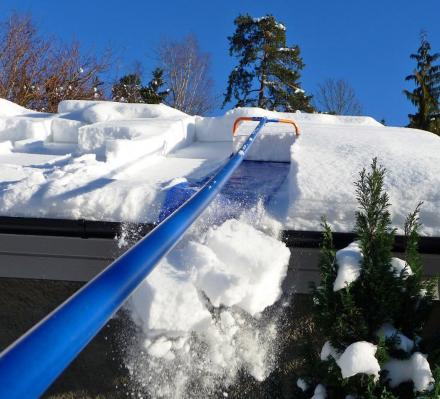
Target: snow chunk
(159,348)
(302,384)
(65,130)
(25,127)
(388,331)
(320,392)
(327,351)
(359,358)
(415,369)
(226,266)
(400,268)
(234,271)
(349,266)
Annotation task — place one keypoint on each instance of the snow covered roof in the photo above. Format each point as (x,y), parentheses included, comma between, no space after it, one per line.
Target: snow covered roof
(118,162)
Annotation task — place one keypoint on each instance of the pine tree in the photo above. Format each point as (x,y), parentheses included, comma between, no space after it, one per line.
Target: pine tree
(384,306)
(426,95)
(268,71)
(129,89)
(151,94)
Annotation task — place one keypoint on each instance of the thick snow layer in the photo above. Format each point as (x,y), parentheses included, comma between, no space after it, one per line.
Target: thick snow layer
(325,161)
(359,358)
(24,127)
(415,369)
(272,146)
(136,138)
(8,108)
(104,111)
(65,130)
(388,331)
(349,266)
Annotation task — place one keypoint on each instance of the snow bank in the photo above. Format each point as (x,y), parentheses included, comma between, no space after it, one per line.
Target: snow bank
(271,146)
(329,156)
(415,369)
(19,123)
(74,188)
(65,130)
(24,127)
(349,262)
(104,111)
(359,358)
(132,139)
(324,162)
(219,128)
(8,108)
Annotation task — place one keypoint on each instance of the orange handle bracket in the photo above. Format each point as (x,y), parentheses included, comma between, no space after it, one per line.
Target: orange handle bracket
(255,118)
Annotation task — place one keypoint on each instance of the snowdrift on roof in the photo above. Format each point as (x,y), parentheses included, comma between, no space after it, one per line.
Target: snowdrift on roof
(136,151)
(103,111)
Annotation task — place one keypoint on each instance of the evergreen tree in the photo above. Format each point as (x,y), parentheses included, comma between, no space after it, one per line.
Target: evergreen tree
(385,306)
(129,89)
(426,95)
(151,94)
(268,71)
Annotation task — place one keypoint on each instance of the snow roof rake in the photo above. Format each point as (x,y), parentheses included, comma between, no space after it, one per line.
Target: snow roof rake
(271,146)
(35,360)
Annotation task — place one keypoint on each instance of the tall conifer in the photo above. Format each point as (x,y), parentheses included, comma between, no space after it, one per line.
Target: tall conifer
(426,94)
(268,70)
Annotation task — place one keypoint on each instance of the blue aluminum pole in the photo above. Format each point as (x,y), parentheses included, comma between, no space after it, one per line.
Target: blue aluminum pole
(35,360)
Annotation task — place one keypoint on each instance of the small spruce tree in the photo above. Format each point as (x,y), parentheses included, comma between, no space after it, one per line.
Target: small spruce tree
(381,296)
(426,94)
(268,70)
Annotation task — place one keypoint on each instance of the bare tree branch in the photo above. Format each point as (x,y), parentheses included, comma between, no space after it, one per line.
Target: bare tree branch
(337,97)
(37,73)
(186,71)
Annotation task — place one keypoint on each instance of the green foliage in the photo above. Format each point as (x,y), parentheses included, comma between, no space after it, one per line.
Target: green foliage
(151,94)
(379,296)
(130,90)
(268,71)
(426,94)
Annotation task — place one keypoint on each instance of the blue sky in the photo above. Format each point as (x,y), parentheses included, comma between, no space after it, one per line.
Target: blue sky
(366,43)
